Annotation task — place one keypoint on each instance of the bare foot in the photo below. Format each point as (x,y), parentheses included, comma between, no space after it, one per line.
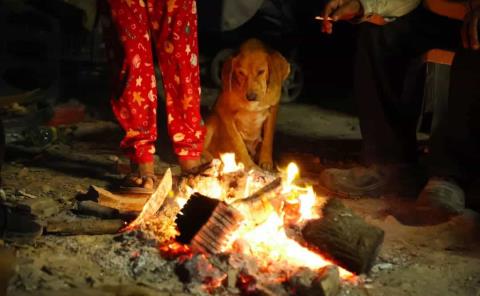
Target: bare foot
(143,175)
(190,166)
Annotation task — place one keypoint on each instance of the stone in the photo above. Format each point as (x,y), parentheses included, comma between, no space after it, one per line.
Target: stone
(324,282)
(113,158)
(23,172)
(382,266)
(46,188)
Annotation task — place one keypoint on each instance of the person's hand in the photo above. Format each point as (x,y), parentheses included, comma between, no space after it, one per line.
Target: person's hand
(340,10)
(470,26)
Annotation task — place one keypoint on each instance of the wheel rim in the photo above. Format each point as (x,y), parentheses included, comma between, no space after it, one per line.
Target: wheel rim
(293,85)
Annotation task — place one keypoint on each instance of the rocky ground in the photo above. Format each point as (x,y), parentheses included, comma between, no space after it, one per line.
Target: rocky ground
(416,259)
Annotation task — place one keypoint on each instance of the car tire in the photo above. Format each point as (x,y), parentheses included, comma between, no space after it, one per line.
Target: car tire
(293,85)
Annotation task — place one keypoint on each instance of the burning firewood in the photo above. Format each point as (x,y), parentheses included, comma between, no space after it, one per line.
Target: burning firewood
(207,225)
(216,212)
(345,237)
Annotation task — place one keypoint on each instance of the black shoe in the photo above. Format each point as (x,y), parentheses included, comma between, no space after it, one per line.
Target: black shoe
(18,224)
(444,194)
(372,181)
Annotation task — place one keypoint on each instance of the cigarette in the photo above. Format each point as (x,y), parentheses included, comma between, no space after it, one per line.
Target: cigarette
(321,18)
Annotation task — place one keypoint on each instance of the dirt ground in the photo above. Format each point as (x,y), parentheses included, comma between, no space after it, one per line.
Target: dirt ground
(439,259)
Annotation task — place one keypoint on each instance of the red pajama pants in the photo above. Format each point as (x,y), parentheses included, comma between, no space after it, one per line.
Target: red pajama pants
(172,27)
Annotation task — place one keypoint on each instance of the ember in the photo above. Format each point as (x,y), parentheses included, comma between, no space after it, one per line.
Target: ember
(253,216)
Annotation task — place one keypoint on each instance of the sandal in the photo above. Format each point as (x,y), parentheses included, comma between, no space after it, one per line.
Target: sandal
(129,186)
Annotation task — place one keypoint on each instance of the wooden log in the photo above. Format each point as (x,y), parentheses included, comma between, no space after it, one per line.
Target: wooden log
(91,208)
(195,214)
(344,237)
(123,203)
(84,227)
(65,155)
(215,234)
(206,223)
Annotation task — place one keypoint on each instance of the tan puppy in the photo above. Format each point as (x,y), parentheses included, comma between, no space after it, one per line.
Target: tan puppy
(244,116)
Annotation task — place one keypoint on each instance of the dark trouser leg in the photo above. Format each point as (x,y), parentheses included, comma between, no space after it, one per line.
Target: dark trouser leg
(456,153)
(389,82)
(3,218)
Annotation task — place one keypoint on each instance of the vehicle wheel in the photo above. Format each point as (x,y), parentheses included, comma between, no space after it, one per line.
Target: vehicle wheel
(217,64)
(293,85)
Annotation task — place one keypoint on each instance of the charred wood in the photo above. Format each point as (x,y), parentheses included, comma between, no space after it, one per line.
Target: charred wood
(345,237)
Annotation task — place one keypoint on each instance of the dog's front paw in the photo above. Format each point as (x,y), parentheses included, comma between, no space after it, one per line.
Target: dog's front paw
(266,165)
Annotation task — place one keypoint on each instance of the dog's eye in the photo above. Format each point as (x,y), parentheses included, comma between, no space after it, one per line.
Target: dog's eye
(261,71)
(241,73)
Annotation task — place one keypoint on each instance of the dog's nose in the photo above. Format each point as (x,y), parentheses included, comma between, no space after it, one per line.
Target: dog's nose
(251,96)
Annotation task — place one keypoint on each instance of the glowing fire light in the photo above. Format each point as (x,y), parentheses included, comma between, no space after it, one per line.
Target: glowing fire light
(307,203)
(229,163)
(263,235)
(270,244)
(305,196)
(292,174)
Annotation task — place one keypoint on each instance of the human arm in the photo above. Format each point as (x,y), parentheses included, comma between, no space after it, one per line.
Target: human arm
(364,9)
(471,25)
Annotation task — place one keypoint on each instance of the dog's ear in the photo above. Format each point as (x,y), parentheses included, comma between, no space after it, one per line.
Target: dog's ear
(227,73)
(278,67)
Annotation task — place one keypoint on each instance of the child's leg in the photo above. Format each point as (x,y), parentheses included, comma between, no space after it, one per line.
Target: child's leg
(174,28)
(135,98)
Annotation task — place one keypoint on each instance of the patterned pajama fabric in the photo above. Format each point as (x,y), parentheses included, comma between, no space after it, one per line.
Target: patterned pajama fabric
(172,27)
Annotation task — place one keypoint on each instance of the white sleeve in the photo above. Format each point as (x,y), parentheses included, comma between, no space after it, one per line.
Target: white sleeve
(388,8)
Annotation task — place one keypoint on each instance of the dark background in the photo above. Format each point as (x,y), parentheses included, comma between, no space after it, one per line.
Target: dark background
(51,34)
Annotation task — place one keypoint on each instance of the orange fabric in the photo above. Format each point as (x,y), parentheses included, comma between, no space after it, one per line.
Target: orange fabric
(449,8)
(439,56)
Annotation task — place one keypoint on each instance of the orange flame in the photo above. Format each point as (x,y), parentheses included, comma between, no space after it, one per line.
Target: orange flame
(230,164)
(263,235)
(304,196)
(270,244)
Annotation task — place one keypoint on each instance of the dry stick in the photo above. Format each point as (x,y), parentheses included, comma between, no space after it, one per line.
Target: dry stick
(253,198)
(84,226)
(25,194)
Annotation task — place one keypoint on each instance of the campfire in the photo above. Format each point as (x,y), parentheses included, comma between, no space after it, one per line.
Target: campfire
(252,230)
